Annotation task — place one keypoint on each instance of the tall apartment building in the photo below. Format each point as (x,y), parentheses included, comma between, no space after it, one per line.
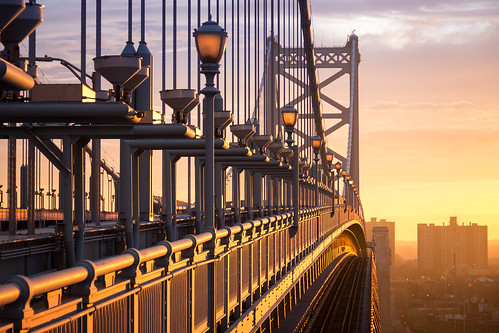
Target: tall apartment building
(453,248)
(391,234)
(382,251)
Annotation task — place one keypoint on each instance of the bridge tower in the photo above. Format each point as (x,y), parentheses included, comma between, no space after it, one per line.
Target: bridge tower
(346,59)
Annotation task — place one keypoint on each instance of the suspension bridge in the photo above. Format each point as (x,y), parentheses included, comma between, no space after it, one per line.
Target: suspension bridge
(251,221)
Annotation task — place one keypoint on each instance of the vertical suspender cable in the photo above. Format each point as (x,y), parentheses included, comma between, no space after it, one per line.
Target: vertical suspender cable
(130,20)
(225,59)
(291,29)
(272,73)
(257,59)
(83,37)
(245,62)
(218,22)
(98,33)
(238,69)
(143,20)
(163,54)
(174,63)
(250,74)
(189,159)
(232,64)
(189,51)
(284,48)
(265,64)
(249,58)
(197,64)
(278,70)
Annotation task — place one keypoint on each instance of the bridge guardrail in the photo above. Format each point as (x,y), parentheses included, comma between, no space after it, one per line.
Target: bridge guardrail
(117,293)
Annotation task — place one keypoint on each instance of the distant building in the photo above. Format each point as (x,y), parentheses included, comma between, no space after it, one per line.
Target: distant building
(391,234)
(453,248)
(382,251)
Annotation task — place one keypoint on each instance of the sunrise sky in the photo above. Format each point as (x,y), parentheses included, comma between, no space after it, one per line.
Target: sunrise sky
(429,104)
(429,99)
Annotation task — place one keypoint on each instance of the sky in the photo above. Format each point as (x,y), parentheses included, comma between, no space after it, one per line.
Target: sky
(429,98)
(429,107)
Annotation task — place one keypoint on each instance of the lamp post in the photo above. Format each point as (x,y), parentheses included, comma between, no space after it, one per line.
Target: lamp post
(329,160)
(289,117)
(343,174)
(42,206)
(338,171)
(210,43)
(316,145)
(352,188)
(1,196)
(346,179)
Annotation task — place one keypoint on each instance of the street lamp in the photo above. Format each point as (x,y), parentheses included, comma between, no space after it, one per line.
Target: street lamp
(289,117)
(42,205)
(338,171)
(210,43)
(352,189)
(316,145)
(329,157)
(329,161)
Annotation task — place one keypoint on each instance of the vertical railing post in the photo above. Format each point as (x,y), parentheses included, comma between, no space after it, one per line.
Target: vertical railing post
(31,187)
(95,182)
(235,195)
(125,214)
(296,184)
(173,195)
(79,197)
(67,156)
(197,195)
(249,194)
(167,194)
(135,196)
(219,213)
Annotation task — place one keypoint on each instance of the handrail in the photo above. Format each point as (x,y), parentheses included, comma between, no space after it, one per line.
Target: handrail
(12,290)
(17,286)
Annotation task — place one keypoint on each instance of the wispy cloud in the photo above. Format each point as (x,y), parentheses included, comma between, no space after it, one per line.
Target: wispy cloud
(400,24)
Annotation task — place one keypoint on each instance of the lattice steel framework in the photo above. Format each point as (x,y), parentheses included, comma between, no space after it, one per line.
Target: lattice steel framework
(346,59)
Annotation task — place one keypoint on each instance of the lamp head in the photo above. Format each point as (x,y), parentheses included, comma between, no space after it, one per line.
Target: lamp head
(211,40)
(329,157)
(348,178)
(344,173)
(289,116)
(338,166)
(316,143)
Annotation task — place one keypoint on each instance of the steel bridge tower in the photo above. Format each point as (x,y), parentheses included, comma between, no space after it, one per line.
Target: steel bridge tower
(346,59)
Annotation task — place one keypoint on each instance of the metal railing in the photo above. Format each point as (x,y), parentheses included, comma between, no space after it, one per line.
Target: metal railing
(193,284)
(50,215)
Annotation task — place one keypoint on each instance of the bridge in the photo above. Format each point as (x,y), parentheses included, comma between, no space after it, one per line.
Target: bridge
(269,234)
